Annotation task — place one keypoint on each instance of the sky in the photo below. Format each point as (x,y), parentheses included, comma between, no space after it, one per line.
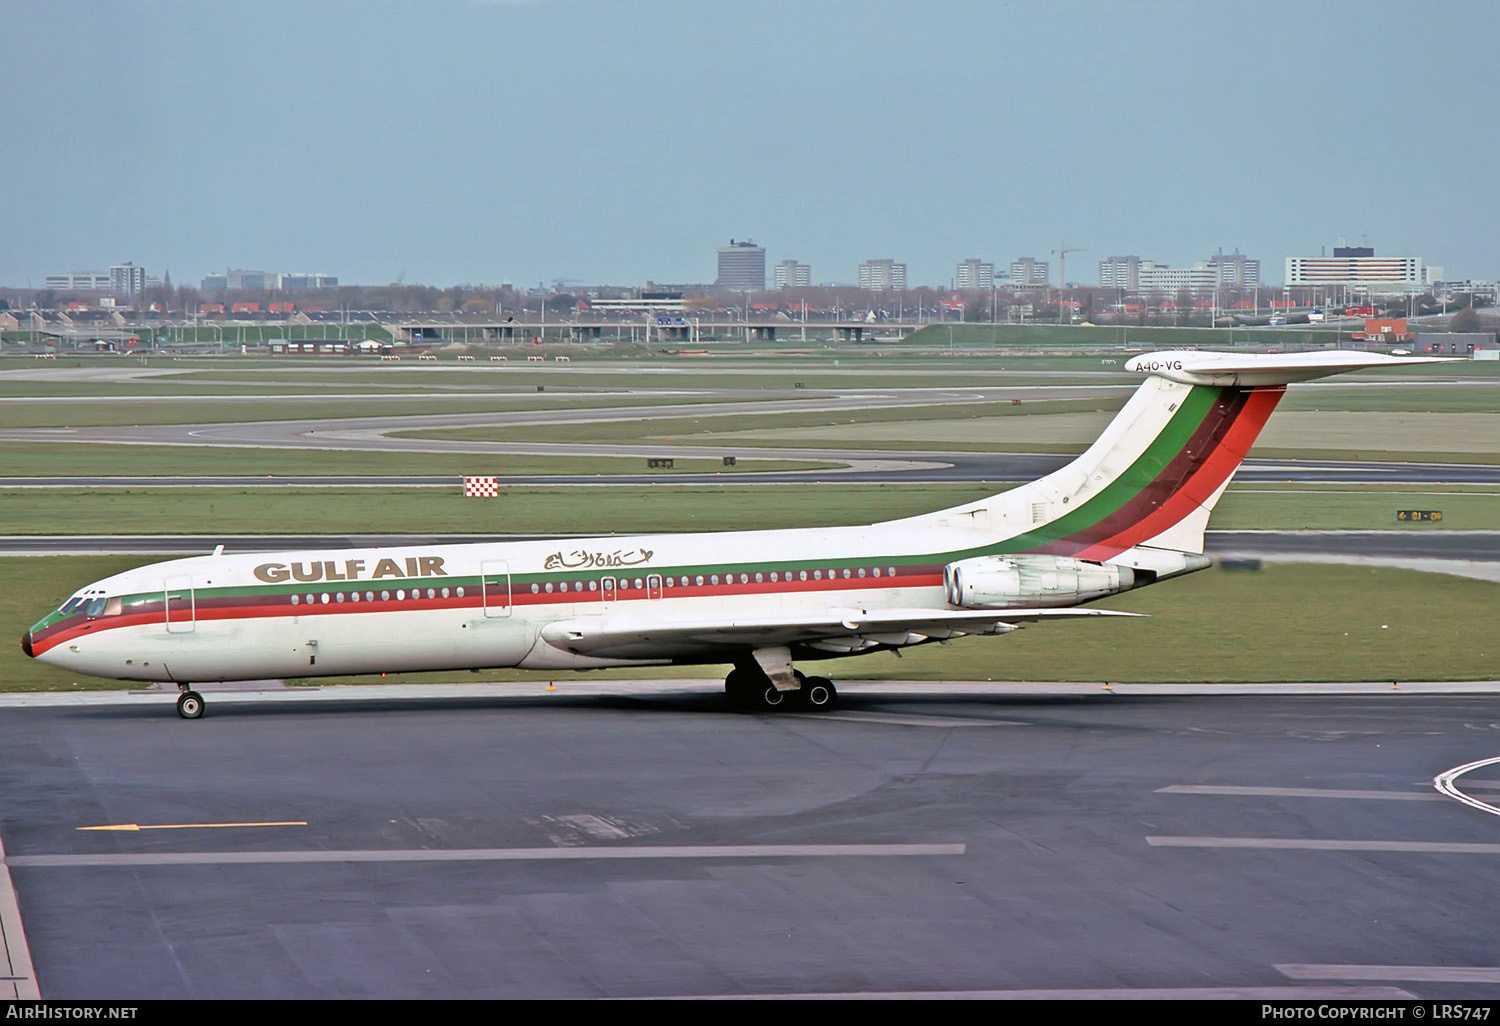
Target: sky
(620,141)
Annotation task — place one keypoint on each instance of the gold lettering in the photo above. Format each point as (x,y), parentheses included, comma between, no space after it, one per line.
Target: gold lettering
(330,574)
(313,572)
(432,566)
(411,566)
(354,567)
(272,573)
(386,568)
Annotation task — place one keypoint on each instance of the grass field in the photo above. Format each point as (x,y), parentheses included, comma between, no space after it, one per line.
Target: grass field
(654,508)
(64,459)
(1283,623)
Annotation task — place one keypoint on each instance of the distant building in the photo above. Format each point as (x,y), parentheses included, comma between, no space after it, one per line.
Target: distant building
(1029,273)
(127,279)
(742,265)
(1358,269)
(250,281)
(306,282)
(78,281)
(974,275)
(882,275)
(1220,272)
(790,274)
(214,283)
(1120,272)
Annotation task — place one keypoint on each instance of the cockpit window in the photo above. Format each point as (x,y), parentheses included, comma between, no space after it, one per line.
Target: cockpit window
(95,607)
(72,604)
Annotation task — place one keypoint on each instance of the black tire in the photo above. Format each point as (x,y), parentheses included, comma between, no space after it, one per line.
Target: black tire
(740,689)
(190,705)
(771,699)
(818,693)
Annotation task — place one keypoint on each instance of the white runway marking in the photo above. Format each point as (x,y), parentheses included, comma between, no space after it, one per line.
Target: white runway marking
(1328,844)
(1393,973)
(728,851)
(1297,792)
(18,981)
(893,719)
(1444,783)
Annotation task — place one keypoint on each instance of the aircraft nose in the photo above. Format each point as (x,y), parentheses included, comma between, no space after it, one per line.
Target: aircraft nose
(26,643)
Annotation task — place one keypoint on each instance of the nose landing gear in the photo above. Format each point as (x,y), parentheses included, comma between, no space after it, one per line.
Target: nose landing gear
(189,703)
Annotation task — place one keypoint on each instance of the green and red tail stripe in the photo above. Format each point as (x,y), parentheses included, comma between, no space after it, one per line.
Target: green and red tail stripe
(1179,472)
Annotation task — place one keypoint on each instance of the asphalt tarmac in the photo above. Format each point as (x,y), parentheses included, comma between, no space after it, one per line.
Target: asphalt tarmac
(638,841)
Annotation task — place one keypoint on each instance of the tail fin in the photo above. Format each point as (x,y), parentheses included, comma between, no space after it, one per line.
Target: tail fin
(1152,478)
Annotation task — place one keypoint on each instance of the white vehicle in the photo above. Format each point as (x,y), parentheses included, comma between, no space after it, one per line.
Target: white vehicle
(1129,512)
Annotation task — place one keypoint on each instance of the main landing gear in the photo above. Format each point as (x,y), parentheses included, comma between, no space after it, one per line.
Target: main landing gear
(189,703)
(752,690)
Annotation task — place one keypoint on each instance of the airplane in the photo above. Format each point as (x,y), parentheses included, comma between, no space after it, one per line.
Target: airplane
(1129,512)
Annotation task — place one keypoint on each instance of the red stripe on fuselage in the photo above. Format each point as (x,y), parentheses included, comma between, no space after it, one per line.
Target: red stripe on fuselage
(261,607)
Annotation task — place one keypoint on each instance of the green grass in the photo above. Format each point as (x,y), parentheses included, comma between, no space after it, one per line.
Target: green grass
(647,509)
(845,423)
(519,510)
(1292,622)
(1467,397)
(63,459)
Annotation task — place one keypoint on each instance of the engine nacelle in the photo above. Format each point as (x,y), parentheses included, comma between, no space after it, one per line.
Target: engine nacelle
(1008,582)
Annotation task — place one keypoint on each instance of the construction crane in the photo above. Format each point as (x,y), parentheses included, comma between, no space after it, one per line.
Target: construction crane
(1061,253)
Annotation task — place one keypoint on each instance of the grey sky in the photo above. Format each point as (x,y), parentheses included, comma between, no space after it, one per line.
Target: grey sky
(467,141)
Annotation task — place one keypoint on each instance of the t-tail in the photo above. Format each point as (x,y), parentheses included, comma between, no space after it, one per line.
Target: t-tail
(1141,495)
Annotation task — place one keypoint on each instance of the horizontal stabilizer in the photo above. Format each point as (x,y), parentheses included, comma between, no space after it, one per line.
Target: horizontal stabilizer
(1247,370)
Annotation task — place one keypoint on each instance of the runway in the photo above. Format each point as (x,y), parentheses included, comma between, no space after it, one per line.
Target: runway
(619,841)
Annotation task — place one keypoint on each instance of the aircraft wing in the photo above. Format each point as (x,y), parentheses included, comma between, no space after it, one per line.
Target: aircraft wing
(835,631)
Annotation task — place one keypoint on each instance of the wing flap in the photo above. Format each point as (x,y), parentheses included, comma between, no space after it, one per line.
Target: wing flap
(830,630)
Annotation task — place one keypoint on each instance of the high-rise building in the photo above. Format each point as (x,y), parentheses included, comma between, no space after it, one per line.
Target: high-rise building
(1358,268)
(1234,271)
(127,279)
(1120,272)
(742,265)
(790,274)
(882,275)
(1029,273)
(972,275)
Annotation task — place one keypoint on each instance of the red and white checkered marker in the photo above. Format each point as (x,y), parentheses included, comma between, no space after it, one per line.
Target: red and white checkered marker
(481,487)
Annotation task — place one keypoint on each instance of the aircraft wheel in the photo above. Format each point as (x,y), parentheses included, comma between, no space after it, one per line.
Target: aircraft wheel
(772,699)
(740,688)
(190,705)
(819,693)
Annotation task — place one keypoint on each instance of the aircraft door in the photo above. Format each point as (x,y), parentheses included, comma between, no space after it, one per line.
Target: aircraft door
(653,586)
(177,602)
(494,581)
(607,589)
